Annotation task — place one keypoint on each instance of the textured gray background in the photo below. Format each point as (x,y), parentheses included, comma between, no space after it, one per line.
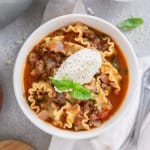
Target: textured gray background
(13,123)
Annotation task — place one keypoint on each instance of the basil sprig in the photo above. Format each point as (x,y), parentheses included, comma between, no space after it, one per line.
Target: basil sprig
(130,23)
(77,90)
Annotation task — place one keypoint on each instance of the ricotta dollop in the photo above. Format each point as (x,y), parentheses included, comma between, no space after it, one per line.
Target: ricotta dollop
(81,66)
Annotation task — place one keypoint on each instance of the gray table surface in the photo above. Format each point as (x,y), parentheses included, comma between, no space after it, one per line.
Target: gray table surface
(13,123)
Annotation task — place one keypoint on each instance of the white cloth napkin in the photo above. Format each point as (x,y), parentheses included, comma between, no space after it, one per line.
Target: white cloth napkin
(114,136)
(144,143)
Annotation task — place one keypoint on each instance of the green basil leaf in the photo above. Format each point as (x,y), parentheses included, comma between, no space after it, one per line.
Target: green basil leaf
(77,90)
(80,92)
(115,63)
(130,23)
(63,84)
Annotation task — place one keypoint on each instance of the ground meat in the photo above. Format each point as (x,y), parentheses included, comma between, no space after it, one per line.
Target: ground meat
(40,66)
(34,73)
(56,46)
(95,123)
(94,120)
(45,58)
(104,114)
(86,105)
(44,75)
(33,57)
(38,69)
(89,34)
(104,47)
(103,85)
(104,78)
(78,120)
(59,47)
(50,64)
(104,81)
(60,98)
(96,43)
(70,36)
(74,101)
(53,71)
(93,116)
(49,73)
(46,65)
(57,57)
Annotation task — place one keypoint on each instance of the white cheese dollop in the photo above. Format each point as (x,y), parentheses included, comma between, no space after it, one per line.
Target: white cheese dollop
(80,67)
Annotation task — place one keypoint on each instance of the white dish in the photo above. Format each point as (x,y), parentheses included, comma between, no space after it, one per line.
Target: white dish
(53,25)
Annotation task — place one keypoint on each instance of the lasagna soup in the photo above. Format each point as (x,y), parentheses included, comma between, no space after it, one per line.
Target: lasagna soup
(75,78)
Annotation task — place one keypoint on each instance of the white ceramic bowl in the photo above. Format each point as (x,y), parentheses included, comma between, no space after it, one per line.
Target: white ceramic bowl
(51,26)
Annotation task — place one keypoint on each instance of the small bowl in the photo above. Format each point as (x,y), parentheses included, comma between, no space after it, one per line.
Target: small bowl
(52,25)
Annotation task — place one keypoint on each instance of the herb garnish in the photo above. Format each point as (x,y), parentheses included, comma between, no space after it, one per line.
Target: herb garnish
(115,63)
(130,23)
(77,90)
(125,70)
(62,85)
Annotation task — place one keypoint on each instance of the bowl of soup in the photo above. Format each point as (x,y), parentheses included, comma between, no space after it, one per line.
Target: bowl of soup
(75,76)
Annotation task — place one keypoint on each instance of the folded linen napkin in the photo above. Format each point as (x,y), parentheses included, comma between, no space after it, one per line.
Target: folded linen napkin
(114,136)
(144,143)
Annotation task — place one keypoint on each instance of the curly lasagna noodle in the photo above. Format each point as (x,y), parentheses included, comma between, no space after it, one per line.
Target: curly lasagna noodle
(108,86)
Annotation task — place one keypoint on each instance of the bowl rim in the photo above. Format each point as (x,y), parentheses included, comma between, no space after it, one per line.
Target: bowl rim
(54,130)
